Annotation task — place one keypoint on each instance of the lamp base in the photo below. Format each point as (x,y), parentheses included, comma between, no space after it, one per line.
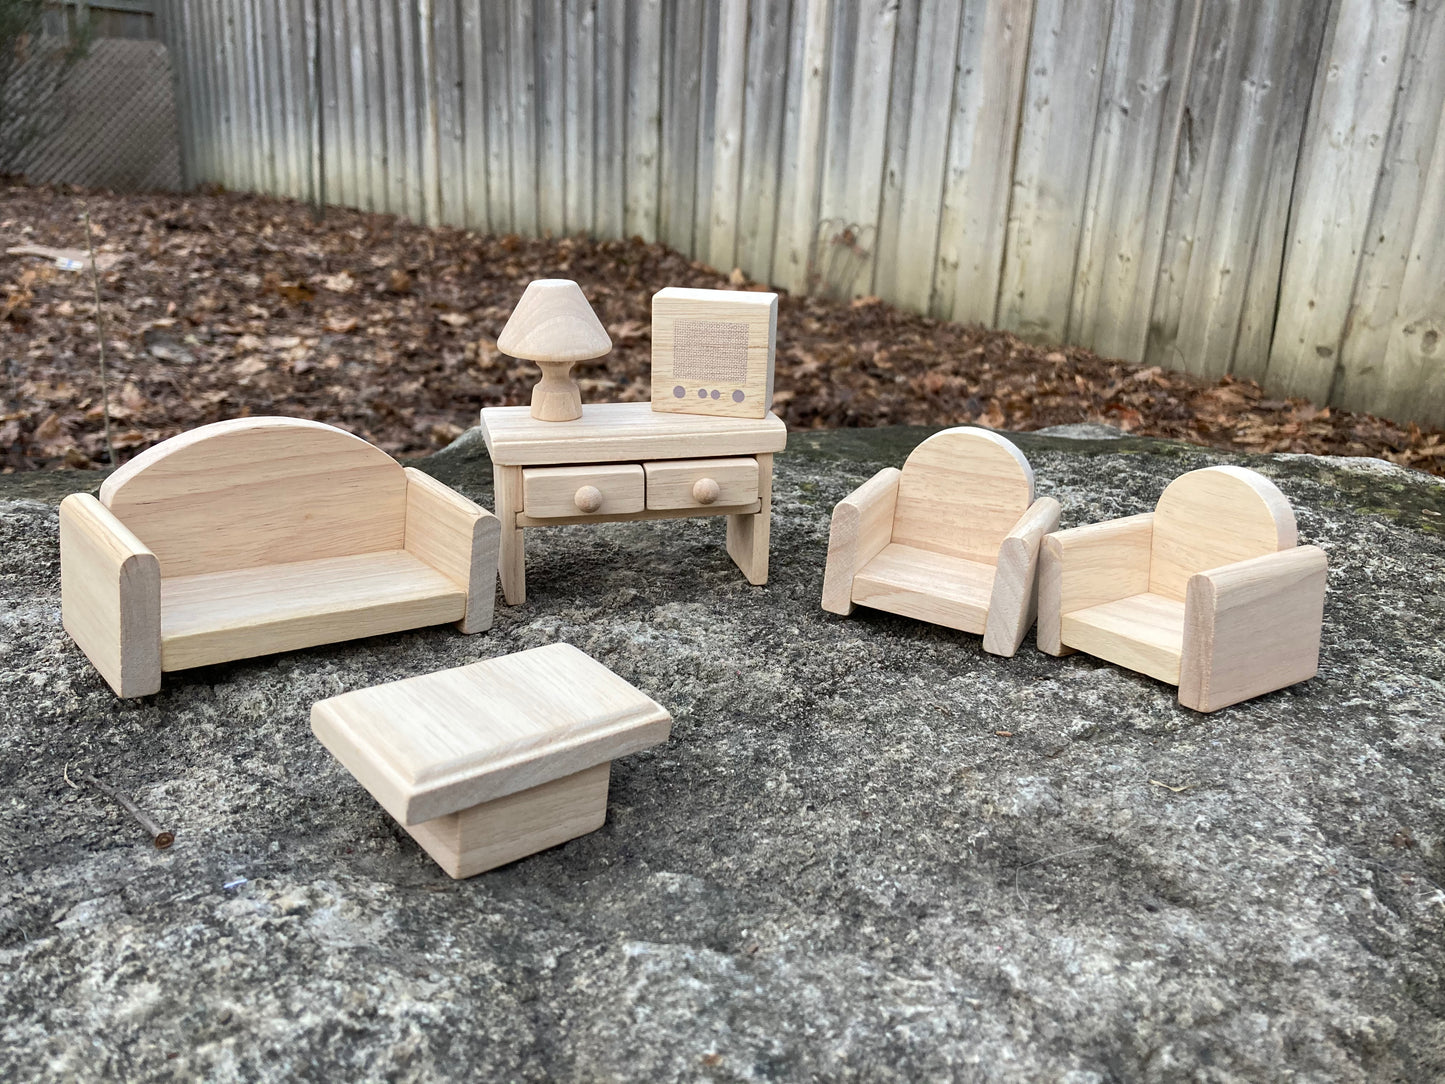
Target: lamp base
(556,397)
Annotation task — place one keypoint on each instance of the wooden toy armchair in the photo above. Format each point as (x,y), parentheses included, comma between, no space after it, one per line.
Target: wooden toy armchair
(952,538)
(259,535)
(1208,592)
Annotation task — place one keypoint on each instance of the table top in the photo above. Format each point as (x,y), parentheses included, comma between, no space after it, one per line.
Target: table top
(617,432)
(442,742)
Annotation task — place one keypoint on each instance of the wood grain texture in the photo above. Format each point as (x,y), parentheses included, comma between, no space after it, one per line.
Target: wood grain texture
(550,492)
(110,596)
(219,616)
(621,432)
(750,533)
(1144,633)
(459,539)
(1252,627)
(1214,517)
(511,550)
(443,742)
(861,526)
(503,830)
(928,586)
(1013,602)
(1089,565)
(673,483)
(961,492)
(688,322)
(259,491)
(702,512)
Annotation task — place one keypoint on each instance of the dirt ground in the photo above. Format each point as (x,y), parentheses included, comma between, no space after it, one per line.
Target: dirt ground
(221,305)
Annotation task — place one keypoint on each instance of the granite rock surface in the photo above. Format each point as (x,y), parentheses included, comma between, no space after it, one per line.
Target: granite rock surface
(869,851)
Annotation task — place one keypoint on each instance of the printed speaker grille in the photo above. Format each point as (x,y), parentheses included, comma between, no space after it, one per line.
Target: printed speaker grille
(710,351)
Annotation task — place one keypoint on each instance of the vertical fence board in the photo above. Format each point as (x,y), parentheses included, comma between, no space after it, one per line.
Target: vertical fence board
(1393,358)
(642,181)
(549,90)
(1134,143)
(497,84)
(1340,164)
(610,44)
(764,99)
(680,136)
(731,78)
(794,261)
(523,105)
(579,116)
(472,58)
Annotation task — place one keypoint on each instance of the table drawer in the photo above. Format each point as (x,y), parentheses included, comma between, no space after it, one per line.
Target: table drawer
(558,492)
(700,483)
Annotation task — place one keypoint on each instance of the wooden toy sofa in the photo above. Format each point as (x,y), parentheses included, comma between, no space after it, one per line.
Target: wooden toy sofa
(259,535)
(1209,592)
(952,538)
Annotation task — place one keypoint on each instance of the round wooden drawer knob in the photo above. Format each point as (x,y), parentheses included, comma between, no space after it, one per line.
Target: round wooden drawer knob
(588,498)
(705,491)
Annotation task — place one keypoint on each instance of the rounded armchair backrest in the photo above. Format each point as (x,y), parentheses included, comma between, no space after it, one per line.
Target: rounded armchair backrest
(1213,517)
(961,492)
(259,491)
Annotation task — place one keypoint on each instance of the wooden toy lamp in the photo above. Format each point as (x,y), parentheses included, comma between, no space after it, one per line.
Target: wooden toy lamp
(554,326)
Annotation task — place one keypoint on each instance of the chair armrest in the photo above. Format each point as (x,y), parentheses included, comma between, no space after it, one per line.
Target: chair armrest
(1252,627)
(862,525)
(457,537)
(1012,605)
(1088,566)
(110,596)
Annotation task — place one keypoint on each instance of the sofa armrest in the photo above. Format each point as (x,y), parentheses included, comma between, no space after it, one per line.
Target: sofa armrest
(1088,566)
(1252,627)
(110,596)
(457,537)
(862,525)
(1012,604)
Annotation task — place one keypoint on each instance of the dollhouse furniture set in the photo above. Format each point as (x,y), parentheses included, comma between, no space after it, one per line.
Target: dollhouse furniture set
(262,535)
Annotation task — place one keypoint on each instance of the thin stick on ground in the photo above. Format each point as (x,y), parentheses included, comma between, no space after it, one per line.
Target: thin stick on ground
(100,335)
(159,836)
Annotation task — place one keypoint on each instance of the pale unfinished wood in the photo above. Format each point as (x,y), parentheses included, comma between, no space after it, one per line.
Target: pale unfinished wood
(511,549)
(459,539)
(551,492)
(554,326)
(1142,632)
(1013,603)
(505,829)
(934,587)
(433,745)
(259,491)
(862,525)
(1089,565)
(1212,517)
(961,493)
(712,352)
(702,512)
(1252,627)
(219,616)
(624,432)
(749,533)
(110,596)
(679,483)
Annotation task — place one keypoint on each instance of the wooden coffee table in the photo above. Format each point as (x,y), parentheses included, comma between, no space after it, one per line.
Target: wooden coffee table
(487,763)
(625,461)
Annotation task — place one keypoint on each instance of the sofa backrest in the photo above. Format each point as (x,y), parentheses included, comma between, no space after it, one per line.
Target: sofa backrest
(259,491)
(961,492)
(1214,517)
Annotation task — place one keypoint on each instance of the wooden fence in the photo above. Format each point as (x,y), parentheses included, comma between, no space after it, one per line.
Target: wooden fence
(1223,186)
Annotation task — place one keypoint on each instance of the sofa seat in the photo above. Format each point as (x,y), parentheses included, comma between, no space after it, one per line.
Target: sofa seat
(935,587)
(219,616)
(1142,632)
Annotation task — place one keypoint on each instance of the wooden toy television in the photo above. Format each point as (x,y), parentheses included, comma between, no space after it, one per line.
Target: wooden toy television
(712,352)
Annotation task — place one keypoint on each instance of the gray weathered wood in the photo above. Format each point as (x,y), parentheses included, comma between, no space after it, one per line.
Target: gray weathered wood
(764,101)
(642,182)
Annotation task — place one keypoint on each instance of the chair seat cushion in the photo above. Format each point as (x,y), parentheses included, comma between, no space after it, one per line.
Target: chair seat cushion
(1144,633)
(934,587)
(218,616)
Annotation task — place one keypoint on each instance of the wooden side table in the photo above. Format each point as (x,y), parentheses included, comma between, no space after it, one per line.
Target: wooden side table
(625,461)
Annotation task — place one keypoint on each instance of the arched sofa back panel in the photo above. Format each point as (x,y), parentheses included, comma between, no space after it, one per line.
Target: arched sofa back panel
(259,491)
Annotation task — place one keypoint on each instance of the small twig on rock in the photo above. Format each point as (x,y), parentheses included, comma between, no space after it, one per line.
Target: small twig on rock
(100,335)
(162,839)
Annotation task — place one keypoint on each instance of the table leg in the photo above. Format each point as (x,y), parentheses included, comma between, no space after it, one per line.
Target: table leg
(512,554)
(748,535)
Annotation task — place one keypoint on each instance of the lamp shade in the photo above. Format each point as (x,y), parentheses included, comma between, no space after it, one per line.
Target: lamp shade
(553,322)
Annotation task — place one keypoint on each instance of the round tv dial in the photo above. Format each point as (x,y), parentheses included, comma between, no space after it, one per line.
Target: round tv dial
(679,392)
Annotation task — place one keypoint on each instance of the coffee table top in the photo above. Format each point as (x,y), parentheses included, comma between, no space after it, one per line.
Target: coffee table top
(613,432)
(442,742)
